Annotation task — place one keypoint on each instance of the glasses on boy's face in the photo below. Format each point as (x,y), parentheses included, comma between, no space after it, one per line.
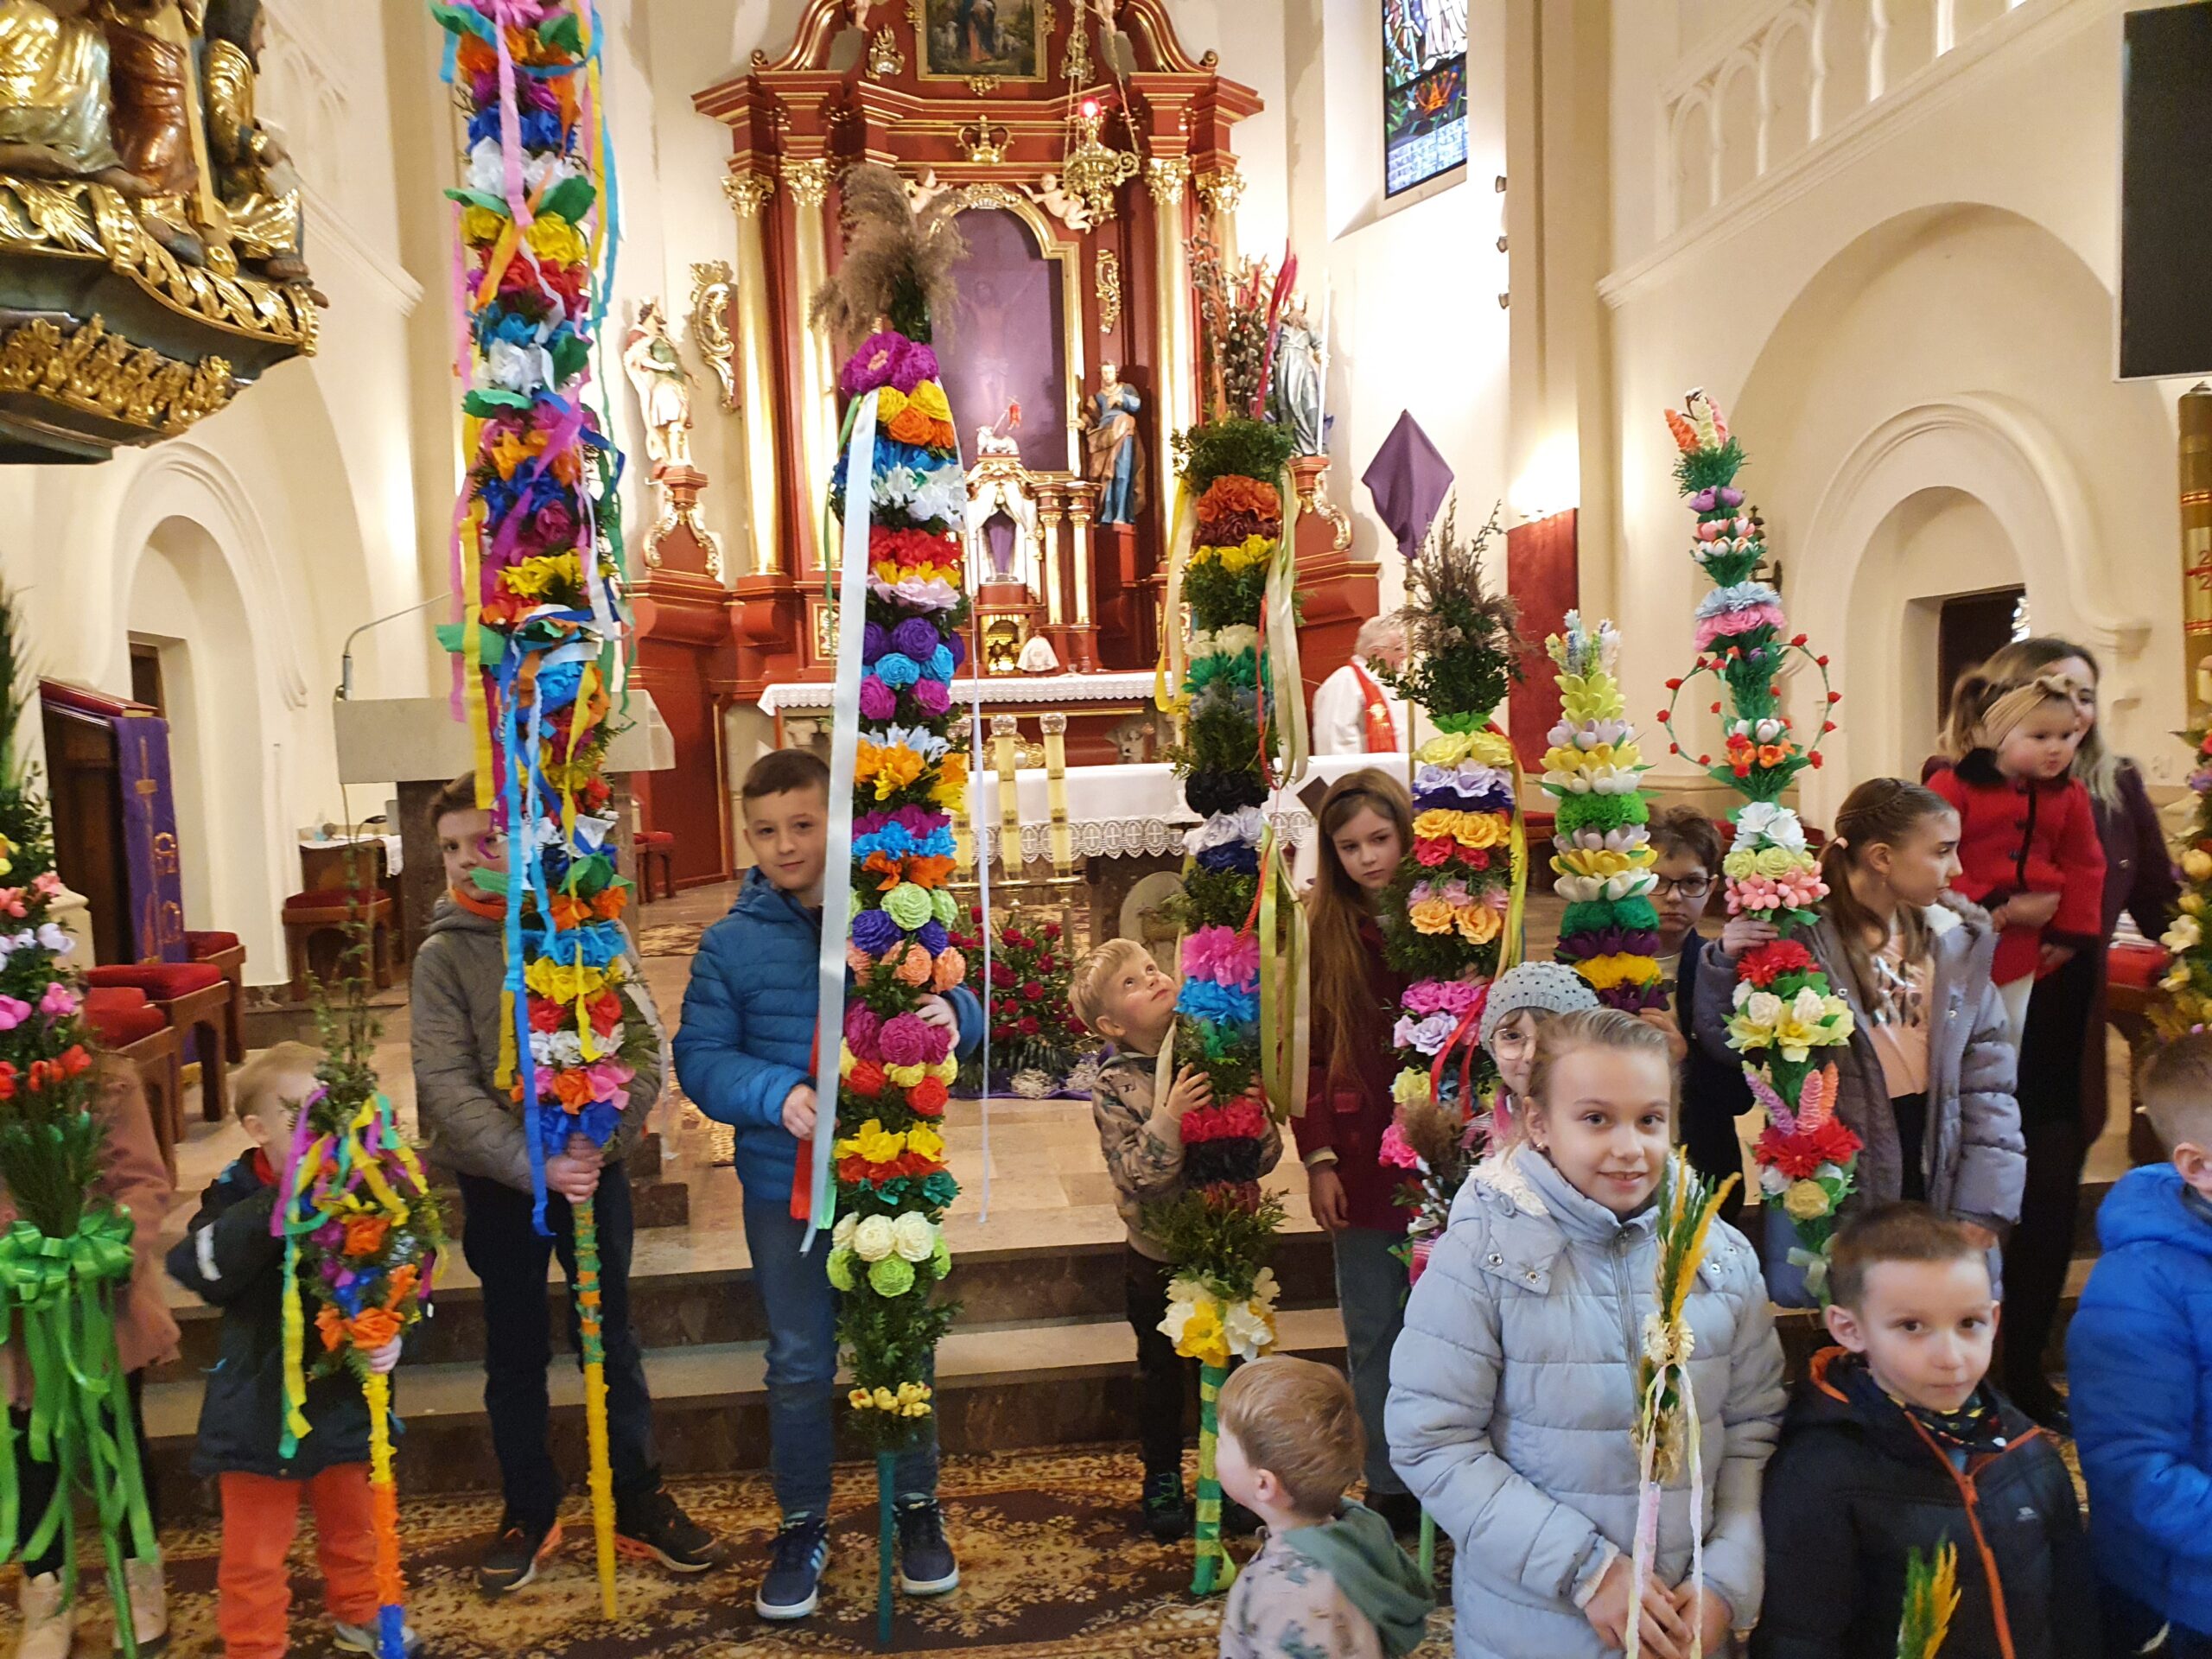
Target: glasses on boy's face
(1692,887)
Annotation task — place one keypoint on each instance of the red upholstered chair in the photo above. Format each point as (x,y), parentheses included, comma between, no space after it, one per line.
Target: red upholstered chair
(656,844)
(128,1025)
(332,910)
(194,997)
(223,951)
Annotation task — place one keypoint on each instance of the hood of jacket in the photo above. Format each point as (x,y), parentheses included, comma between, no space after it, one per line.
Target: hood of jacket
(761,900)
(1822,1400)
(2151,1205)
(449,915)
(1357,1550)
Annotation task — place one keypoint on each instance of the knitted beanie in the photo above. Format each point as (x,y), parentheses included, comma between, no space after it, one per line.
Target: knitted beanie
(1547,985)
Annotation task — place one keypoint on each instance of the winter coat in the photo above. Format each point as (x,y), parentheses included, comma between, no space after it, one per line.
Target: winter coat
(1344,1120)
(2139,1358)
(470,1124)
(2017,836)
(227,1259)
(1858,1484)
(1143,1145)
(1714,1091)
(134,1178)
(747,1037)
(1513,1394)
(1972,1155)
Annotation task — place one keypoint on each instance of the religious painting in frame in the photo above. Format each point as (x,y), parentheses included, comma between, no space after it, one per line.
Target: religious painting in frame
(994,40)
(1424,91)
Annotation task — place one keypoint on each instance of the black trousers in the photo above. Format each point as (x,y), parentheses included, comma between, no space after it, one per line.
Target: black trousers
(2041,1249)
(510,1257)
(35,1481)
(1166,1382)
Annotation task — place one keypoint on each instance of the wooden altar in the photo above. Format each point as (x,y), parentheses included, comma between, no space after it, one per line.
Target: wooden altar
(1087,149)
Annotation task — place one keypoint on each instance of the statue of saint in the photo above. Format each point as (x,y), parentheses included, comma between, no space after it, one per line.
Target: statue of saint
(1297,392)
(150,45)
(253,175)
(663,388)
(54,99)
(1113,459)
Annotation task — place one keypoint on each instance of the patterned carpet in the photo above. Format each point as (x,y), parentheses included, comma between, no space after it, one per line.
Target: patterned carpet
(669,939)
(1051,1566)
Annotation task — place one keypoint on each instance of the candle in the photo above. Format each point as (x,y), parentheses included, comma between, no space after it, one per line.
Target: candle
(1056,791)
(963,839)
(1004,731)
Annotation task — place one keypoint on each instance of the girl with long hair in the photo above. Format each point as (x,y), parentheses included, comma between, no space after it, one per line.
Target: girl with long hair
(1926,1080)
(1365,830)
(2063,1089)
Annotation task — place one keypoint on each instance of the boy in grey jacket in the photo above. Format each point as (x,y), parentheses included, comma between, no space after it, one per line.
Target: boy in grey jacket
(472,1127)
(1122,994)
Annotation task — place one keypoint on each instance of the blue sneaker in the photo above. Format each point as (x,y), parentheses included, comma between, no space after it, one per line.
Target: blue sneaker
(926,1563)
(362,1639)
(792,1588)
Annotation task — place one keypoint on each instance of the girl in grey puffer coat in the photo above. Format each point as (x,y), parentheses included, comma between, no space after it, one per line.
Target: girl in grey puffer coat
(1513,1394)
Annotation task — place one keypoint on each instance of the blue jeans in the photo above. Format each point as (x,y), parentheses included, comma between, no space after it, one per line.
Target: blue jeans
(803,1368)
(508,1257)
(1371,1292)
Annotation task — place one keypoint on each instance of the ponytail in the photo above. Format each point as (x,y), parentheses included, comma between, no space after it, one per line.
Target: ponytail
(1880,812)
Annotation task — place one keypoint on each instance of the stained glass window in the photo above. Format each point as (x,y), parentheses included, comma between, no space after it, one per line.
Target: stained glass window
(1424,90)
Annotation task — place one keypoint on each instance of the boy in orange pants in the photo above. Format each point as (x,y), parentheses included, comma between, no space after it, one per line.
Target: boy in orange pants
(229,1258)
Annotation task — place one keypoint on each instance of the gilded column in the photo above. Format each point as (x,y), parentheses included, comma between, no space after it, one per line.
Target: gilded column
(1165,176)
(807,181)
(1221,190)
(2196,546)
(748,193)
(1051,507)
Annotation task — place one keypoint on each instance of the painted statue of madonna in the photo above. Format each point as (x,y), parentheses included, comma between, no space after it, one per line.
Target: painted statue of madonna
(1114,459)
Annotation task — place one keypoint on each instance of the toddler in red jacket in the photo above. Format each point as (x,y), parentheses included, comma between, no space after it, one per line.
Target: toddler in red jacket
(2028,842)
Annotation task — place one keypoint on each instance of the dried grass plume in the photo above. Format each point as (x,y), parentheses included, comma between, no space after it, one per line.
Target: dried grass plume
(898,262)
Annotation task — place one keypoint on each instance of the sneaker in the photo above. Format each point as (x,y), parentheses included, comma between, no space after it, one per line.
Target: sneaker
(515,1556)
(792,1588)
(926,1563)
(653,1526)
(49,1624)
(150,1606)
(1167,1516)
(362,1639)
(1400,1509)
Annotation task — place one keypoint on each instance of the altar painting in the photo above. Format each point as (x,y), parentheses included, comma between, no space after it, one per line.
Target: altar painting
(966,38)
(1012,330)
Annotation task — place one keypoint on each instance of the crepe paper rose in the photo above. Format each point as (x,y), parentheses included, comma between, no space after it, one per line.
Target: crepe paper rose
(878,701)
(1394,1152)
(13,1012)
(917,637)
(892,1276)
(1807,1201)
(838,1269)
(1479,924)
(867,1078)
(913,1237)
(908,905)
(1222,954)
(1431,915)
(874,932)
(904,1077)
(905,1040)
(1770,822)
(888,358)
(927,1097)
(365,1235)
(872,1239)
(1761,967)
(1429,1035)
(915,967)
(932,696)
(1799,1156)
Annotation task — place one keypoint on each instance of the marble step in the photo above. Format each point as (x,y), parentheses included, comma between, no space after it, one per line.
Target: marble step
(1001,1387)
(685,1293)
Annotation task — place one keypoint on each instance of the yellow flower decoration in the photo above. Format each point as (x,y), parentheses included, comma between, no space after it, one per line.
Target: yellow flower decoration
(926,1142)
(1775,862)
(1479,924)
(1445,749)
(559,981)
(532,577)
(556,241)
(906,1075)
(1604,973)
(929,399)
(1409,1088)
(1431,915)
(1806,1200)
(1602,864)
(846,1059)
(481,225)
(1204,1339)
(1738,865)
(2197,864)
(1484,830)
(1437,821)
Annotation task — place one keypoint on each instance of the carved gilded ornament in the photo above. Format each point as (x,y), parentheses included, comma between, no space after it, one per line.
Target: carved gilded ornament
(677,511)
(1109,264)
(1094,170)
(748,193)
(985,142)
(100,373)
(1076,66)
(885,59)
(1222,190)
(1164,175)
(711,288)
(809,180)
(79,218)
(984,85)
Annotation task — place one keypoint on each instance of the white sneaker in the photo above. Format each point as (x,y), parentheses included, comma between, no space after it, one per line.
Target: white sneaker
(150,1606)
(362,1639)
(50,1628)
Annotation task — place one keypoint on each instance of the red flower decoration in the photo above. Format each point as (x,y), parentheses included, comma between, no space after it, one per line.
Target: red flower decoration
(867,1078)
(1029,1027)
(1769,962)
(1797,1156)
(927,1097)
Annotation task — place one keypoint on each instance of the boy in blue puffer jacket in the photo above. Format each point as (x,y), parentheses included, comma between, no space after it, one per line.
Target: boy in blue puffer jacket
(2139,1354)
(745,1055)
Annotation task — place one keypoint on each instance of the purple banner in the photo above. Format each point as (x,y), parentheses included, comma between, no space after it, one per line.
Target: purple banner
(142,742)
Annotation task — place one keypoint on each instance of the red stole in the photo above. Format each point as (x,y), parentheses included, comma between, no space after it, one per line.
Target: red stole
(1381,726)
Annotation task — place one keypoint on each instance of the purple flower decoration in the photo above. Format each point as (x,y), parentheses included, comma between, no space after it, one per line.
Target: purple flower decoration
(875,641)
(933,697)
(905,1040)
(959,649)
(878,701)
(931,937)
(889,359)
(874,932)
(919,821)
(916,636)
(861,1025)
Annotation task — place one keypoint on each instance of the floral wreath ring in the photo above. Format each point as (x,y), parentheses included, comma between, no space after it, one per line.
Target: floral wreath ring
(1809,755)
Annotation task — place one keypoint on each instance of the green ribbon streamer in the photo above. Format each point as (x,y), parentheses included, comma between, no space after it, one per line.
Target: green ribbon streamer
(1213,1570)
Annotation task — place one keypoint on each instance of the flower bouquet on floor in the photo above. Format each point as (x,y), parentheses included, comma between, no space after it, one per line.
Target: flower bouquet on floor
(68,1250)
(897,493)
(1786,1012)
(362,1229)
(1452,915)
(2183,1005)
(1035,1037)
(1241,711)
(537,575)
(1609,932)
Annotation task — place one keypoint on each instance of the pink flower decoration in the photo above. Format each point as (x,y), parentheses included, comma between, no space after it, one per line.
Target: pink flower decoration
(1728,624)
(858,960)
(864,1031)
(1395,1151)
(58,1002)
(609,1079)
(47,885)
(905,1040)
(13,1012)
(1222,955)
(878,701)
(1432,851)
(935,696)
(11,901)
